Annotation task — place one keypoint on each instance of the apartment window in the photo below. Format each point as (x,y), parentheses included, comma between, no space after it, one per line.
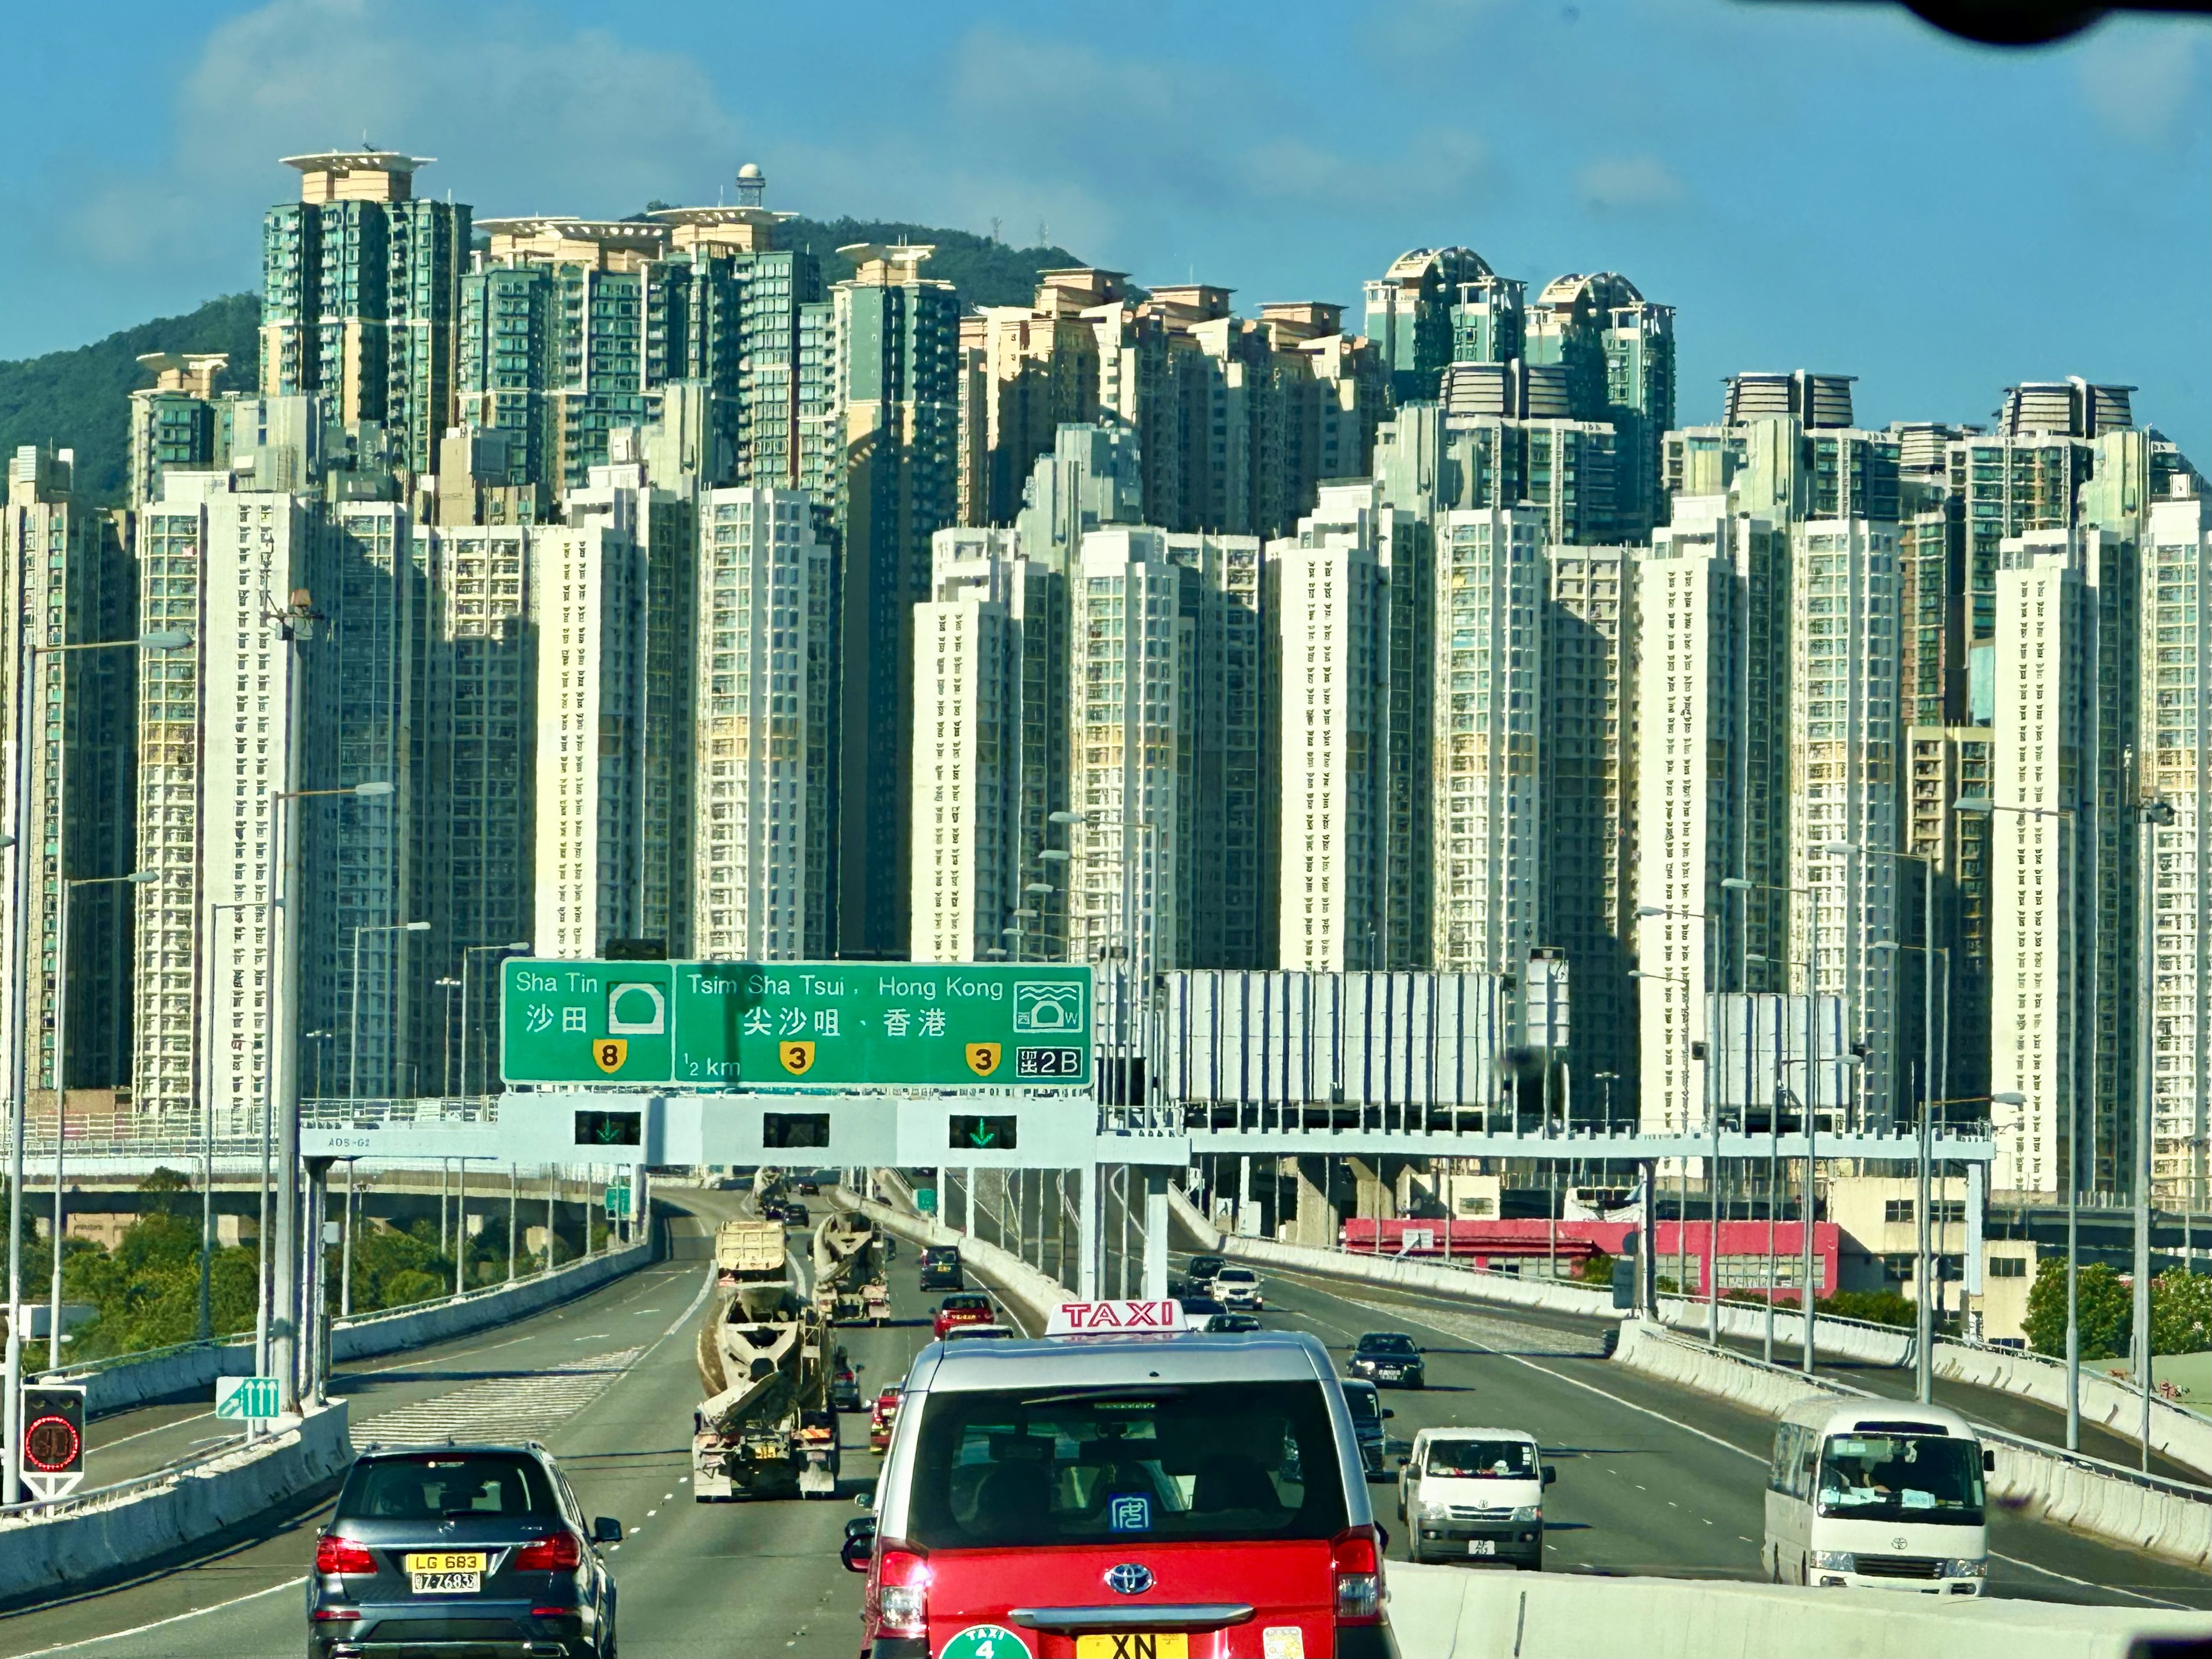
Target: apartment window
(2007,1266)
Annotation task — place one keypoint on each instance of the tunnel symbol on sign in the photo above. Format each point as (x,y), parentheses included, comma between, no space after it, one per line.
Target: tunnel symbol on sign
(1046,1005)
(637,1009)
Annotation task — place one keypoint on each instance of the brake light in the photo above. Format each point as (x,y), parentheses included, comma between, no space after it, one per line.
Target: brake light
(1356,1560)
(563,1551)
(902,1593)
(337,1555)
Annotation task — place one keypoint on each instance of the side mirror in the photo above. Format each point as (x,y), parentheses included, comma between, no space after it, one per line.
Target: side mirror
(1403,1461)
(1988,1461)
(605,1530)
(859,1544)
(1550,1475)
(1387,1415)
(866,1500)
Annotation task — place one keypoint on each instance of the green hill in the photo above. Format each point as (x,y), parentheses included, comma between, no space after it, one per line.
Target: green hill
(80,399)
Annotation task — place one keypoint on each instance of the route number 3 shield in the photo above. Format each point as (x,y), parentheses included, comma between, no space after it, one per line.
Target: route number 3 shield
(609,1053)
(797,1057)
(984,1058)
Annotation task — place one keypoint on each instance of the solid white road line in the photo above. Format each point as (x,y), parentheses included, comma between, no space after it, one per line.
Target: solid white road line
(174,1617)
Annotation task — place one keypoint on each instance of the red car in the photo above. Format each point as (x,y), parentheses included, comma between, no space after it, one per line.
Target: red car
(880,1417)
(963,1308)
(1172,1491)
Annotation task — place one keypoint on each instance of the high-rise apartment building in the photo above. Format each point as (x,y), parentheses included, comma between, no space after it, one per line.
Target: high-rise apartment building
(2044,689)
(1026,371)
(2176,693)
(361,295)
(65,580)
(173,422)
(990,753)
(1618,348)
(1587,746)
(765,755)
(1167,866)
(1439,306)
(1328,607)
(891,442)
(1487,768)
(1092,476)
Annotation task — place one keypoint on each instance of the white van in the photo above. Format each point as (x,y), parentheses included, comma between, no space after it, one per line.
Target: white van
(1474,1494)
(1877,1493)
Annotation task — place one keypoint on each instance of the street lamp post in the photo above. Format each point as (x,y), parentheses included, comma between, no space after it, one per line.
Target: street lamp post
(19,837)
(520,947)
(353,1034)
(278,1329)
(1681,1211)
(2070,835)
(139,879)
(1713,1123)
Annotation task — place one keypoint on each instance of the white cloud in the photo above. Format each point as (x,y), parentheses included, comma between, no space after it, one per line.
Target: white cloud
(527,115)
(1630,183)
(2137,79)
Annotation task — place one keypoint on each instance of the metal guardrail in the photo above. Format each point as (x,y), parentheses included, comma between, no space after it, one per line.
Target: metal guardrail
(1986,1431)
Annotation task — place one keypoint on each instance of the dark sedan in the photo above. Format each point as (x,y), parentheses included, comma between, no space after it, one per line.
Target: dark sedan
(1389,1359)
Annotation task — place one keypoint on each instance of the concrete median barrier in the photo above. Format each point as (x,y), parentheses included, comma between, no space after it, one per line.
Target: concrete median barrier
(1447,1613)
(434,1321)
(103,1535)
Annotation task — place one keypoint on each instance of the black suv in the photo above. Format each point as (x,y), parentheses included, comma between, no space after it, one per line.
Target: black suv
(1389,1358)
(940,1268)
(482,1547)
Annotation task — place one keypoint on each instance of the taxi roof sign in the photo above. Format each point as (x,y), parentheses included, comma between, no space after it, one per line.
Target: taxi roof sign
(1116,1318)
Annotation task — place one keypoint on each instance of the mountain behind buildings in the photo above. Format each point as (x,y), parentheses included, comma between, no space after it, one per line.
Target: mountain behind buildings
(79,399)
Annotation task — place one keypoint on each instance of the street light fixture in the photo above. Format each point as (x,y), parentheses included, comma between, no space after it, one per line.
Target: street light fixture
(19,893)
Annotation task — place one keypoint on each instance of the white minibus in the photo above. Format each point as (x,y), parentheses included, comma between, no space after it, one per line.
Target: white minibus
(1876,1493)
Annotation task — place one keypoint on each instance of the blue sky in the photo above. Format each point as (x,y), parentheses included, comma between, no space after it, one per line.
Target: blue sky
(1834,187)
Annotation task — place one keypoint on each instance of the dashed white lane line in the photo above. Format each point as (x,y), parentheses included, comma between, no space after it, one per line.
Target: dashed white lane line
(528,1407)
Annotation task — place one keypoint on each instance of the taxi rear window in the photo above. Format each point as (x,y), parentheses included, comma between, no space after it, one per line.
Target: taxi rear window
(1213,1463)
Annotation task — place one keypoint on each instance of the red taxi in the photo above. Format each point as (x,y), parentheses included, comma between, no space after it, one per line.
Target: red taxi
(881,1415)
(965,1307)
(1122,1484)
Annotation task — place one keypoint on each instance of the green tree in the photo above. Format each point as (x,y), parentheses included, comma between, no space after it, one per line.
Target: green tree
(1874,1306)
(2180,1313)
(2102,1299)
(1596,1268)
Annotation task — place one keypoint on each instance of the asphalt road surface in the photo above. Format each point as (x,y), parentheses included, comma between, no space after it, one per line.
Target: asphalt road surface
(693,1578)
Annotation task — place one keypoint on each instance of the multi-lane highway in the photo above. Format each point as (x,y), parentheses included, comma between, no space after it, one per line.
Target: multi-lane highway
(608,1382)
(1653,1478)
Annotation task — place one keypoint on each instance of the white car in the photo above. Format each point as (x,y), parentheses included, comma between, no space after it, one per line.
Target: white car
(1238,1289)
(1474,1494)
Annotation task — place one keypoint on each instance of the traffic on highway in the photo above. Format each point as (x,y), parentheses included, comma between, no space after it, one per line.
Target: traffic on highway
(774,1439)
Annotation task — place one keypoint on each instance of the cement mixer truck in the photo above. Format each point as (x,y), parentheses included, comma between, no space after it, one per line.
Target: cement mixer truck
(765,1428)
(848,1270)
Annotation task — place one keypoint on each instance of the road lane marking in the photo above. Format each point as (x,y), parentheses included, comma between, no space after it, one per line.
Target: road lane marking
(174,1617)
(502,1409)
(2091,1583)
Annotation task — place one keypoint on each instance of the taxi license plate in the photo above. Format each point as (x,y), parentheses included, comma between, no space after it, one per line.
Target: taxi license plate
(1134,1644)
(1482,1546)
(446,1572)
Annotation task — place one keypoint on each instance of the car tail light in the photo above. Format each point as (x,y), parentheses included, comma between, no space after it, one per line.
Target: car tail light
(335,1555)
(563,1551)
(902,1593)
(338,1614)
(1356,1560)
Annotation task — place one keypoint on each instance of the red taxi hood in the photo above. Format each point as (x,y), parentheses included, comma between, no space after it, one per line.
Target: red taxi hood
(1285,1583)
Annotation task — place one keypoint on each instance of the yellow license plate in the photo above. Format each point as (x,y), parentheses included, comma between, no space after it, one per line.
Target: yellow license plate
(446,1561)
(1134,1644)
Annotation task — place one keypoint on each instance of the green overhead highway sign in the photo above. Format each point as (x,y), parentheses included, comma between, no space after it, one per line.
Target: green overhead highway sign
(740,1025)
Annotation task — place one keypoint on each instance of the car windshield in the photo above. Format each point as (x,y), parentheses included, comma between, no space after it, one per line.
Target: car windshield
(1481,1460)
(1210,1463)
(1235,1276)
(1386,1342)
(1902,1477)
(1202,1265)
(432,1488)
